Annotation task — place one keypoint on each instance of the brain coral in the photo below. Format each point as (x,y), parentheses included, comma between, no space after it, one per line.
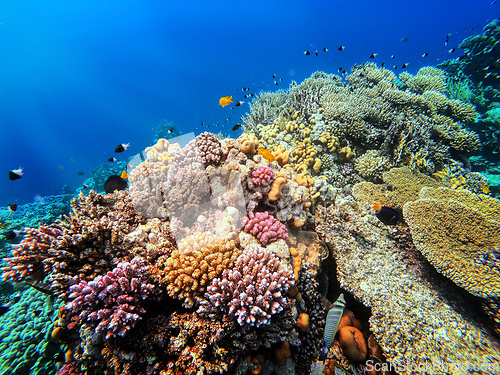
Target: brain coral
(453,229)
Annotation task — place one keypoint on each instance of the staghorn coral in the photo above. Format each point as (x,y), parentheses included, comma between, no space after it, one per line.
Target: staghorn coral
(112,300)
(252,291)
(452,228)
(264,109)
(187,275)
(266,228)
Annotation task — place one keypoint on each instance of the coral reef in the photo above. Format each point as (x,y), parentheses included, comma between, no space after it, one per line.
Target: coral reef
(87,243)
(324,116)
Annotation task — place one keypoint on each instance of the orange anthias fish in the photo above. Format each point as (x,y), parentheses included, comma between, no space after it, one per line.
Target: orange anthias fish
(225,100)
(266,154)
(124,175)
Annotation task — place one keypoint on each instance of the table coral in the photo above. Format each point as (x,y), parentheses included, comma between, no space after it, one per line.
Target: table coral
(453,234)
(265,227)
(252,291)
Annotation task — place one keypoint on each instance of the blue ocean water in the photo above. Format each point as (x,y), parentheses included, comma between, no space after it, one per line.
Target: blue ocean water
(79,78)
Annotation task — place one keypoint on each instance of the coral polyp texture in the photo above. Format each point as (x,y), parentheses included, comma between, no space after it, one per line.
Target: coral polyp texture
(253,290)
(113,300)
(265,227)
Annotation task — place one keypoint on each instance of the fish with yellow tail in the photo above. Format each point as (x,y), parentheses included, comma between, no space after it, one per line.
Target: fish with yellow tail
(266,154)
(225,100)
(332,324)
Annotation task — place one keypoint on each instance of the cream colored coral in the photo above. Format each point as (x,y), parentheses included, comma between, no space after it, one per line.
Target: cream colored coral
(371,164)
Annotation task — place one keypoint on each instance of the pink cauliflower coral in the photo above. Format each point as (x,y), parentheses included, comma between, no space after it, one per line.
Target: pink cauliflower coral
(262,176)
(265,227)
(252,291)
(113,299)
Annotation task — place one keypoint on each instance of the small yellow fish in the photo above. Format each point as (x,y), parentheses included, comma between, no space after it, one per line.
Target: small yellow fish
(486,189)
(124,175)
(266,154)
(225,100)
(4,225)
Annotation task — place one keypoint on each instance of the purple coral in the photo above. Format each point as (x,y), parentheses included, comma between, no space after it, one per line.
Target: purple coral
(253,290)
(112,299)
(262,175)
(265,227)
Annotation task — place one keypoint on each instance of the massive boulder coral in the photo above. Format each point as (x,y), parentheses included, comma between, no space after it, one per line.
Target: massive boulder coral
(454,229)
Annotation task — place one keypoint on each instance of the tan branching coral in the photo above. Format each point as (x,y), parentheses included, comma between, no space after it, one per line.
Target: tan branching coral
(454,235)
(330,141)
(281,155)
(305,153)
(371,164)
(427,78)
(463,112)
(187,275)
(277,187)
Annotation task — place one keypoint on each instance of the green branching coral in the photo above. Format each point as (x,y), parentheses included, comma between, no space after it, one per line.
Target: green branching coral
(458,137)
